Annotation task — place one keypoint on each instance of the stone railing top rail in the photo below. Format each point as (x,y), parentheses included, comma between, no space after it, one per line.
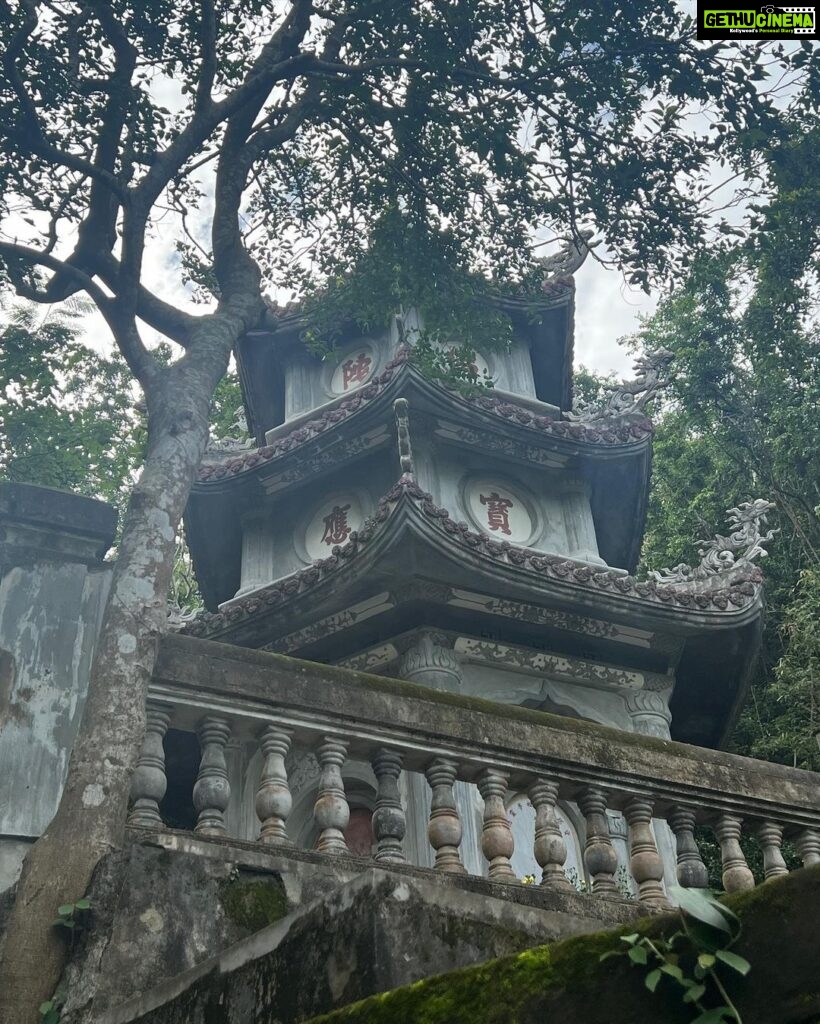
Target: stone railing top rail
(201,677)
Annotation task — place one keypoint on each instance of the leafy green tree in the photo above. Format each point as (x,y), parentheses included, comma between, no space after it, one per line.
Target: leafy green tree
(740,420)
(298,139)
(67,416)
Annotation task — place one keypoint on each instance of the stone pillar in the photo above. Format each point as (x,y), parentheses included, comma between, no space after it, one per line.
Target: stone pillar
(331,811)
(645,862)
(736,873)
(649,711)
(257,554)
(497,842)
(807,843)
(273,798)
(431,661)
(599,855)
(444,828)
(428,658)
(692,872)
(212,790)
(549,847)
(770,836)
(149,783)
(388,816)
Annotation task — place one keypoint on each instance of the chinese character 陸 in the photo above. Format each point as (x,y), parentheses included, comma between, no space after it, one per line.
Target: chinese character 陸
(498,515)
(354,371)
(336,528)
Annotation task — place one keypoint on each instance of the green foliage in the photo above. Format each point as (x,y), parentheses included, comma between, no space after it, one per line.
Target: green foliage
(740,421)
(691,959)
(71,919)
(67,415)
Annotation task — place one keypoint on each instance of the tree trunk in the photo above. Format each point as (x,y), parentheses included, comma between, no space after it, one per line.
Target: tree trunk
(90,820)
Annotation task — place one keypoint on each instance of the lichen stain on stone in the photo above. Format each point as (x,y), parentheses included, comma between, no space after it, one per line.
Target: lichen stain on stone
(93,795)
(126,643)
(153,920)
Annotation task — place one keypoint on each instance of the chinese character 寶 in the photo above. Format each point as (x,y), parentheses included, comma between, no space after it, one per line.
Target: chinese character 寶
(336,528)
(354,371)
(498,514)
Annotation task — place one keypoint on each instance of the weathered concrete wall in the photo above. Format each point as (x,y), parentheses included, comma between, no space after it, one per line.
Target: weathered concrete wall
(350,930)
(53,587)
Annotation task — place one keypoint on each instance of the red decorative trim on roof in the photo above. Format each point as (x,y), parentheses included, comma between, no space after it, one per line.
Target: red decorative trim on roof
(602,434)
(740,589)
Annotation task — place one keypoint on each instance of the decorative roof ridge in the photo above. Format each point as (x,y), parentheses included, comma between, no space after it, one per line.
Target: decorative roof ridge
(599,433)
(742,585)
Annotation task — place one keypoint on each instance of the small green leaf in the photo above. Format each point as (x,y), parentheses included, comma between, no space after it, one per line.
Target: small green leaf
(715,1016)
(45,1007)
(83,904)
(652,979)
(637,954)
(691,995)
(66,910)
(706,961)
(673,971)
(737,963)
(702,907)
(630,939)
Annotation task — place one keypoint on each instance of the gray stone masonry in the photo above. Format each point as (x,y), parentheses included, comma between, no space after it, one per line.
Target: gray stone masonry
(347,930)
(53,587)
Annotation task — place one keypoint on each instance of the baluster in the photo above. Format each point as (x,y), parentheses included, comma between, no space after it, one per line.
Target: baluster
(273,799)
(388,816)
(807,844)
(148,783)
(331,811)
(692,872)
(444,827)
(212,790)
(770,836)
(645,862)
(599,854)
(736,873)
(497,843)
(549,847)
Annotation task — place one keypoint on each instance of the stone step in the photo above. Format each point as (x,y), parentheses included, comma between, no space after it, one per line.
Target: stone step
(382,929)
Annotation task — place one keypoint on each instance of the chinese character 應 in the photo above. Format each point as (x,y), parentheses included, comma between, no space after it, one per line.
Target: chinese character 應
(498,514)
(336,528)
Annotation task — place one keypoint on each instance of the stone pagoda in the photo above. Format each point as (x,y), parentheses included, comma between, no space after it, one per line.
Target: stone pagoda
(482,544)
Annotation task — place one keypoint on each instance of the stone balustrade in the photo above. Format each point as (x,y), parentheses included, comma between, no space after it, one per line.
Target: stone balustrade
(225,694)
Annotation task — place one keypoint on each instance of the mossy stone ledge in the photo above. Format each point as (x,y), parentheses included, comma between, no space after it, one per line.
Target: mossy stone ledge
(568,982)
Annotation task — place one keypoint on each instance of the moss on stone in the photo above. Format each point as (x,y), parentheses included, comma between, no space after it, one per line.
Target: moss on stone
(568,981)
(498,992)
(253,904)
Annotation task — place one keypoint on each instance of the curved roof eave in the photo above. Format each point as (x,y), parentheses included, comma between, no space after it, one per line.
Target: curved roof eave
(615,437)
(679,608)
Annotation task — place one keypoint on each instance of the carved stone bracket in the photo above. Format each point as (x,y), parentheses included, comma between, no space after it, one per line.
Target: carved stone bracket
(723,554)
(628,399)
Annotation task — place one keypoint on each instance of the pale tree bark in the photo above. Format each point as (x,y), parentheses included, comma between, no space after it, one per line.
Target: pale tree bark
(90,820)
